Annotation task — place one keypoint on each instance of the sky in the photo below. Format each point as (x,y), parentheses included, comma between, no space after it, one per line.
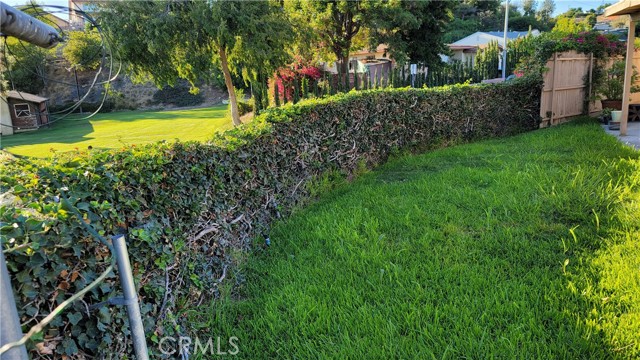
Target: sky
(561,5)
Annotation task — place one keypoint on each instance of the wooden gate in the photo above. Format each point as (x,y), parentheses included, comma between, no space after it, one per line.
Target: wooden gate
(563,94)
(564,91)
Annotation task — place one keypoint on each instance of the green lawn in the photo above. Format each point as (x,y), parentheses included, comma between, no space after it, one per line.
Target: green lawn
(520,248)
(112,130)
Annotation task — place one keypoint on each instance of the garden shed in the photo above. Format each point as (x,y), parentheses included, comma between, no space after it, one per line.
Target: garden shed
(26,111)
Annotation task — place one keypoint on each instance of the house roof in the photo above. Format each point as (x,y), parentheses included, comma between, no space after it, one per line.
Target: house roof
(25,96)
(380,48)
(624,7)
(510,34)
(484,37)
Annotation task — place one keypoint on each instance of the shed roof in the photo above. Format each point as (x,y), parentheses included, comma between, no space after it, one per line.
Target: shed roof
(25,96)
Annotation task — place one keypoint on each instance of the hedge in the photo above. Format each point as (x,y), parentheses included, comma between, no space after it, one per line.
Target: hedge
(186,206)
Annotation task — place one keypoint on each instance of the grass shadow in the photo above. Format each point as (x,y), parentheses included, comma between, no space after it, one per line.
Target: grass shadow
(112,130)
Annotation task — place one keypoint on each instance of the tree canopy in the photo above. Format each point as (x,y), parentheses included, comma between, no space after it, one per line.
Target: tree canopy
(414,30)
(410,29)
(166,40)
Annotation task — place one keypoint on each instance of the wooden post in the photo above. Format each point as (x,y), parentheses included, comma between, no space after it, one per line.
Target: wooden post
(553,86)
(590,84)
(628,74)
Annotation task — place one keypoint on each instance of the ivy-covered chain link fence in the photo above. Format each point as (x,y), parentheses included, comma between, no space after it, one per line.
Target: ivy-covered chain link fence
(12,341)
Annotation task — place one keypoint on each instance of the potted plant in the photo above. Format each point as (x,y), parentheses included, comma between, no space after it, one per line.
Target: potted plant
(605,116)
(611,85)
(614,123)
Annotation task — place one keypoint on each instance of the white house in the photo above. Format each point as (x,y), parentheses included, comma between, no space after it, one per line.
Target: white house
(466,48)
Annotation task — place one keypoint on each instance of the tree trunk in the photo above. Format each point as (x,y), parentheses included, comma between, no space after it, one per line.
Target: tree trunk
(233,101)
(344,64)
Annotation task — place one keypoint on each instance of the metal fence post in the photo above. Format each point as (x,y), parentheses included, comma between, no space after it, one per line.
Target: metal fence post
(130,297)
(10,330)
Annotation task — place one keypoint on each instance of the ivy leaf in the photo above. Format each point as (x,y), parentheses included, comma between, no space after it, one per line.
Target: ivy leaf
(69,346)
(83,206)
(74,318)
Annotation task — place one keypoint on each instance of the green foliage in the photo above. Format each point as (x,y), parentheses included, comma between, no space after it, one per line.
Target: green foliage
(458,29)
(165,194)
(569,25)
(413,30)
(24,68)
(83,49)
(334,28)
(487,60)
(546,10)
(539,50)
(191,39)
(611,85)
(330,30)
(529,7)
(244,106)
(178,95)
(523,23)
(518,50)
(532,239)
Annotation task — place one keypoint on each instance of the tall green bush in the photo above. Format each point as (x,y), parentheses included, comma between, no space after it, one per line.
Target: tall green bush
(488,60)
(186,206)
(83,49)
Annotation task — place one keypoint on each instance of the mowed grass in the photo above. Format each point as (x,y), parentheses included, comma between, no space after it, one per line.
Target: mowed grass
(520,248)
(113,130)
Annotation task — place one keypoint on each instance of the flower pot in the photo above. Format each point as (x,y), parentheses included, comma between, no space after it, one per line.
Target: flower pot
(614,124)
(612,104)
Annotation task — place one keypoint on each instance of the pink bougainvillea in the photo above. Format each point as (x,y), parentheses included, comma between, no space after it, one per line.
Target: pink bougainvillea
(284,78)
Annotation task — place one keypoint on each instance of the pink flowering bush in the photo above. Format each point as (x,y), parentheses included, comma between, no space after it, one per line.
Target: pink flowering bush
(540,49)
(285,79)
(593,42)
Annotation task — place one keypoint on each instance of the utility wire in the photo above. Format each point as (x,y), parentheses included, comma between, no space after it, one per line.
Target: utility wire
(105,50)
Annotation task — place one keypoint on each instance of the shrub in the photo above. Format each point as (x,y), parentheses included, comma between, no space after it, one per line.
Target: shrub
(610,85)
(83,49)
(24,67)
(178,95)
(287,80)
(185,205)
(541,48)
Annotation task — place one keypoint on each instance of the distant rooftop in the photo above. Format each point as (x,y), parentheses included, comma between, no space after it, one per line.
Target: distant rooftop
(484,37)
(510,34)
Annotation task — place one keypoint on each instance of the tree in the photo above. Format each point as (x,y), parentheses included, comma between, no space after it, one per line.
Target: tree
(336,25)
(529,7)
(567,25)
(574,21)
(411,29)
(546,11)
(168,40)
(600,9)
(83,50)
(24,66)
(458,29)
(523,23)
(414,30)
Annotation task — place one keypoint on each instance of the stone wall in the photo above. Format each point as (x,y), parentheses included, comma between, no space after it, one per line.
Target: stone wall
(61,88)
